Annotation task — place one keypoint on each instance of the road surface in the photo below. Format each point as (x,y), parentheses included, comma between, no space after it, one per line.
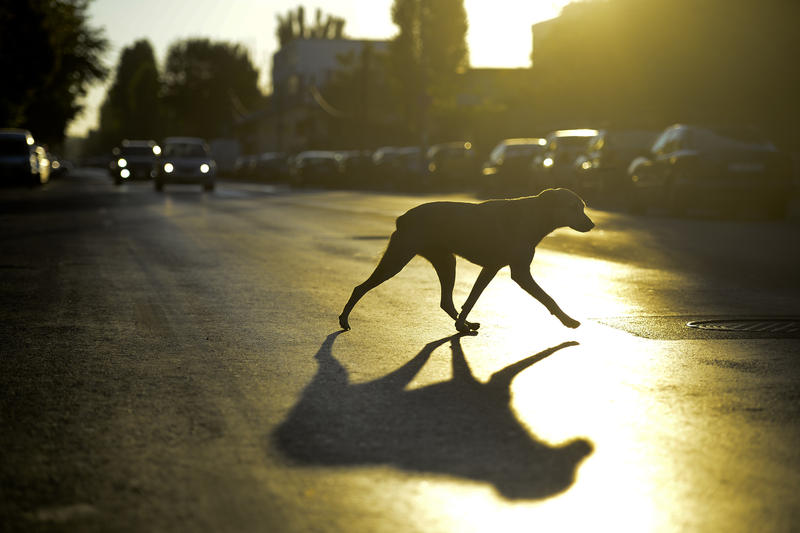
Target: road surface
(172,362)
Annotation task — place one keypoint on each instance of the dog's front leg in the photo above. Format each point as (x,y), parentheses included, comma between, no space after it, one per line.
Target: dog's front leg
(523,278)
(483,280)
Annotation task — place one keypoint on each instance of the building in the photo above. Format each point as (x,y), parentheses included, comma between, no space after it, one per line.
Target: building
(299,70)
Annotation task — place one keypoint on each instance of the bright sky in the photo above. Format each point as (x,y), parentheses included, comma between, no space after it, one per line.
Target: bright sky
(499,30)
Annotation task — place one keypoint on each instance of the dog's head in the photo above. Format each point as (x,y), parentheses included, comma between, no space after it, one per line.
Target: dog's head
(568,209)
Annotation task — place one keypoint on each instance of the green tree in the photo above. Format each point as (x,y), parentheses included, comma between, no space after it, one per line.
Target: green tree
(427,55)
(50,56)
(132,108)
(208,86)
(293,26)
(627,62)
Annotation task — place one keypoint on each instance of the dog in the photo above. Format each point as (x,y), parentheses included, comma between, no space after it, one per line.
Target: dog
(492,234)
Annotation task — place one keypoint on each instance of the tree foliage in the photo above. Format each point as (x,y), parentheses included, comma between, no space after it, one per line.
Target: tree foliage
(661,61)
(207,87)
(132,108)
(293,26)
(428,53)
(50,56)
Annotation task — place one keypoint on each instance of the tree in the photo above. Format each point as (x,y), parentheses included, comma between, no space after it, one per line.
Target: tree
(132,108)
(293,26)
(427,55)
(50,56)
(207,87)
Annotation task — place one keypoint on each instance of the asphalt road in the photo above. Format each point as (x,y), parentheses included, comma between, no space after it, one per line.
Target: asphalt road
(172,362)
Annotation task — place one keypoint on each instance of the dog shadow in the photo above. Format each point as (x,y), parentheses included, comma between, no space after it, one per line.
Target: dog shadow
(461,428)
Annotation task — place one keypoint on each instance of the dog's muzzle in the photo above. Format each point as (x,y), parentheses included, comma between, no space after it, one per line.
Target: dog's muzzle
(584,225)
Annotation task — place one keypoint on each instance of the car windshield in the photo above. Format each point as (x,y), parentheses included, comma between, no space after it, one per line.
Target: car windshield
(13,146)
(569,143)
(522,150)
(136,151)
(730,138)
(185,150)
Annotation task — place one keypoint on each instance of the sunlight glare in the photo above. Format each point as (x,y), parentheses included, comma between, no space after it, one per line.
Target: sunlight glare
(499,33)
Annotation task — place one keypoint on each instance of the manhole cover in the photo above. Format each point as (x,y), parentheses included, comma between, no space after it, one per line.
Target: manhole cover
(784,326)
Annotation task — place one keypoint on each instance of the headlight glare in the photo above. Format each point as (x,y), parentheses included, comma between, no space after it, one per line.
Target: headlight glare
(168,167)
(204,168)
(122,163)
(125,173)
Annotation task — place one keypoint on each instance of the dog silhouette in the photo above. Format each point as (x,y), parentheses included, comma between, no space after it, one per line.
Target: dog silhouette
(491,234)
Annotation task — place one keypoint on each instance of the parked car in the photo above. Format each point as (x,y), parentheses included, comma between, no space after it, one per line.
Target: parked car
(507,171)
(356,167)
(554,166)
(134,159)
(22,161)
(271,166)
(451,164)
(186,160)
(692,166)
(398,167)
(245,166)
(315,168)
(601,170)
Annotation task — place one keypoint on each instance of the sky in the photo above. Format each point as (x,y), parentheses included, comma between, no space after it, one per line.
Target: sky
(499,32)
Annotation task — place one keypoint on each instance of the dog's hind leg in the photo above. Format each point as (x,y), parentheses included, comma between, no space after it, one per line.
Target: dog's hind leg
(445,265)
(397,255)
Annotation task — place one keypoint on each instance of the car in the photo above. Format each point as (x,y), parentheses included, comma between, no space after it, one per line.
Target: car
(22,161)
(134,159)
(398,168)
(356,167)
(451,164)
(692,166)
(553,166)
(186,160)
(507,169)
(601,170)
(271,166)
(315,168)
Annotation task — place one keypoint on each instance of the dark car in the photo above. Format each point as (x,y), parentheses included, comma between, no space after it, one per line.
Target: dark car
(135,160)
(601,170)
(711,167)
(315,168)
(22,161)
(398,167)
(186,160)
(451,165)
(271,166)
(554,166)
(507,171)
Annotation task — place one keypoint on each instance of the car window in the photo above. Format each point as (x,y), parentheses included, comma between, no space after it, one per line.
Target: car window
(136,151)
(13,146)
(185,150)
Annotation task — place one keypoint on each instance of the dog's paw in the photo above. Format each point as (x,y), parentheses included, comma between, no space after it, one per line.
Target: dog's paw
(465,327)
(343,323)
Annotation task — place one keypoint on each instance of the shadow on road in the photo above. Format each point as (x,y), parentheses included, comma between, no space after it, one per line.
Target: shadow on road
(461,428)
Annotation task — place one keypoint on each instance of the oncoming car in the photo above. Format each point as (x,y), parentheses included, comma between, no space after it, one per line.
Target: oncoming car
(186,160)
(135,160)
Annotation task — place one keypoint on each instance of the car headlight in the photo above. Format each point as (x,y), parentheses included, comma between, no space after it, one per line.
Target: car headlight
(204,168)
(157,150)
(125,173)
(168,167)
(122,163)
(548,162)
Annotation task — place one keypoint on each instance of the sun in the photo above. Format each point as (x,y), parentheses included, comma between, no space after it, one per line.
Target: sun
(499,32)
